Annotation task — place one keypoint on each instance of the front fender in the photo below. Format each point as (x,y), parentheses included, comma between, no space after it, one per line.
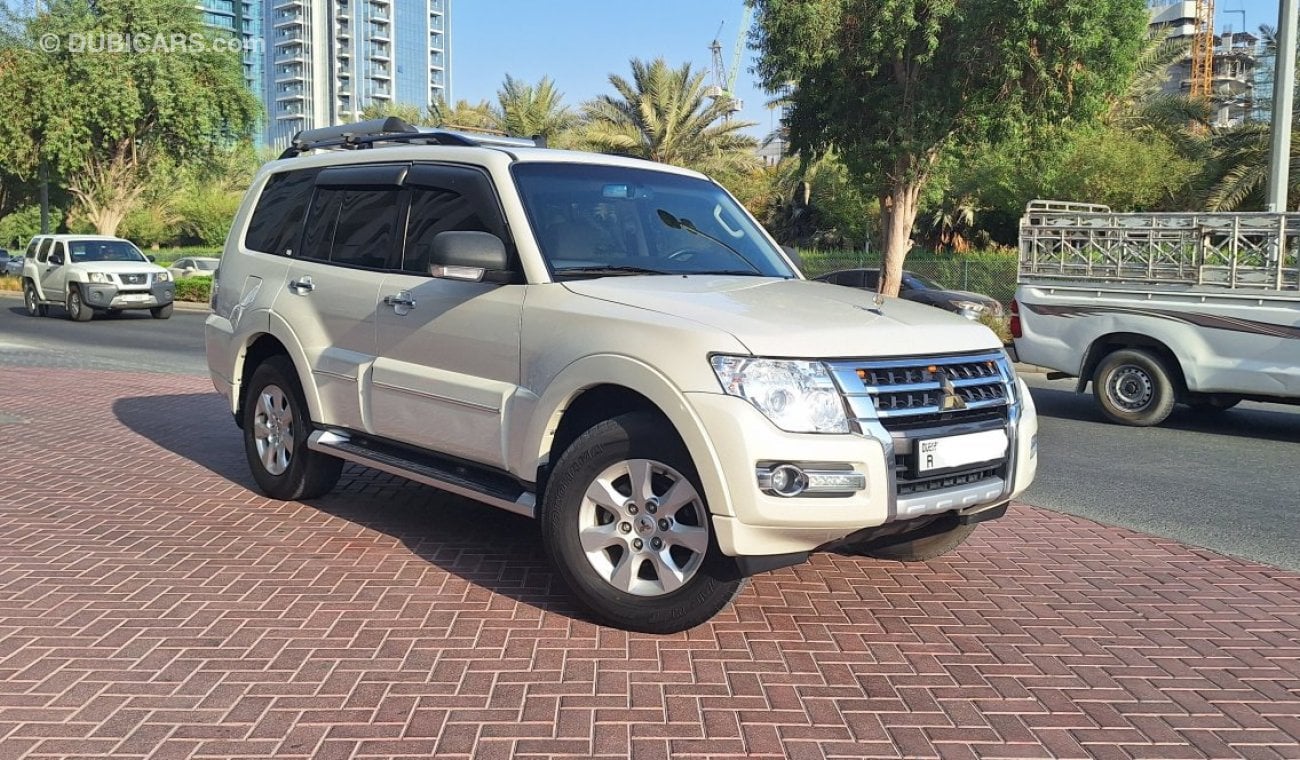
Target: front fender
(531,447)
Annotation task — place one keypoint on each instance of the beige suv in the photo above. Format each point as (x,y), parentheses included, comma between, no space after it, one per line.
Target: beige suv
(610,346)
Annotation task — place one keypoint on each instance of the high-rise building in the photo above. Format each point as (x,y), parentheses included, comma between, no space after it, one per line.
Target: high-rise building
(326,60)
(242,20)
(1236,55)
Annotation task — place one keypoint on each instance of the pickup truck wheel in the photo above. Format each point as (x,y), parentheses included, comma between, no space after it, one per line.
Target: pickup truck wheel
(276,426)
(78,311)
(626,525)
(34,307)
(1133,388)
(921,549)
(161,312)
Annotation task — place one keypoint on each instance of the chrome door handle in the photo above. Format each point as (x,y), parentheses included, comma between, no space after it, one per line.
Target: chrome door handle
(400,301)
(302,286)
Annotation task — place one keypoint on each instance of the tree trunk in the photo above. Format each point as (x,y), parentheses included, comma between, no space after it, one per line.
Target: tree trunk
(107,192)
(898,214)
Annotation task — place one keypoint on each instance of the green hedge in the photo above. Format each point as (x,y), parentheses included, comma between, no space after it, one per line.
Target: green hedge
(988,272)
(193,289)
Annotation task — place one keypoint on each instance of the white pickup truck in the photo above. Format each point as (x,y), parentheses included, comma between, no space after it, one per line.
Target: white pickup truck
(1158,309)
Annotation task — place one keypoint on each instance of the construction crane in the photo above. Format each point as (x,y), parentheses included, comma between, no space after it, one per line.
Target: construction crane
(1203,50)
(723,88)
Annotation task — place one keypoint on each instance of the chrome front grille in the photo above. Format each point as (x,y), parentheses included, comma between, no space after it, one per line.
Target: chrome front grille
(906,400)
(941,390)
(134,279)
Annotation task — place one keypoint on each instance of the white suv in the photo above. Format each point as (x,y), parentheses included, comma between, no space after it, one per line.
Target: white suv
(610,346)
(90,273)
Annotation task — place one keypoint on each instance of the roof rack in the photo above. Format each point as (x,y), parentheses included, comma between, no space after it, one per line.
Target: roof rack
(364,134)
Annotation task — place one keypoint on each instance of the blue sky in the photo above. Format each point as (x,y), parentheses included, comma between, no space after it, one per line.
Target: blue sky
(580,42)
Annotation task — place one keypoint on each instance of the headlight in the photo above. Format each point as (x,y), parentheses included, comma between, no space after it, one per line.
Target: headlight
(98,277)
(163,276)
(797,396)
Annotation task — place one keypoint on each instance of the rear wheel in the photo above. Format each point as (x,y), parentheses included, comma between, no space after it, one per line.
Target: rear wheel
(34,307)
(276,426)
(161,312)
(625,523)
(78,311)
(1133,387)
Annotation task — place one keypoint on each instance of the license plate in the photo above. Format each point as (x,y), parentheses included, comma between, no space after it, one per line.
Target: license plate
(960,450)
(135,297)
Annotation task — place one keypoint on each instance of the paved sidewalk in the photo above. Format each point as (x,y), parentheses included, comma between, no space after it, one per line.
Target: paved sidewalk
(152,605)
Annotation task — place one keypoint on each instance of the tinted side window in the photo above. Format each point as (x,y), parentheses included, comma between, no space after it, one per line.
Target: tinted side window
(443,199)
(31,248)
(58,255)
(321,222)
(277,220)
(366,224)
(45,250)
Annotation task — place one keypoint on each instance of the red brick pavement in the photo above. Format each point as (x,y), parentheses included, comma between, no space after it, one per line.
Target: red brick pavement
(152,605)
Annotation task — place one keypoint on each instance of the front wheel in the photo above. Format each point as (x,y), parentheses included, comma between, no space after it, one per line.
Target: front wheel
(161,312)
(276,426)
(78,311)
(627,527)
(1133,387)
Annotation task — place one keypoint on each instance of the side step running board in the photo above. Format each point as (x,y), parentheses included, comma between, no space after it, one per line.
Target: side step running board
(495,489)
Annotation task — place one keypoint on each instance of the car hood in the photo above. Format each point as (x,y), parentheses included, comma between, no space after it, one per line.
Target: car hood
(117,266)
(796,318)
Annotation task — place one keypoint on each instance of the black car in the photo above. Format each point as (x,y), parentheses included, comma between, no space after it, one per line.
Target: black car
(917,288)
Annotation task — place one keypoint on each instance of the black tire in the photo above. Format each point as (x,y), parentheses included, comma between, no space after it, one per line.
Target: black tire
(300,473)
(78,311)
(1215,403)
(161,312)
(920,549)
(711,580)
(1133,387)
(34,307)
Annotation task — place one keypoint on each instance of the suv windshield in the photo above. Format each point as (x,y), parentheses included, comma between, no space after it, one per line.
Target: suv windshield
(103,250)
(609,220)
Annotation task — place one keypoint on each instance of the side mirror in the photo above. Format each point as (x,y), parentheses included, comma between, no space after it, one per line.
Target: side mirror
(151,258)
(56,259)
(468,256)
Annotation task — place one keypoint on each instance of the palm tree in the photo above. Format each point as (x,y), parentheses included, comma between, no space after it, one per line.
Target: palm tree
(1242,153)
(664,115)
(525,109)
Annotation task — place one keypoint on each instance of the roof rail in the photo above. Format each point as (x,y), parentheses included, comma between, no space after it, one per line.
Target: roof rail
(1067,206)
(364,134)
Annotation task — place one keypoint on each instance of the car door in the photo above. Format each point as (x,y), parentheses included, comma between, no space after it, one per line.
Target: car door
(441,381)
(332,281)
(54,270)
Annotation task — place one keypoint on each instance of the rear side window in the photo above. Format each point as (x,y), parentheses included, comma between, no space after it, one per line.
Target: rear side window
(31,248)
(44,252)
(353,226)
(277,220)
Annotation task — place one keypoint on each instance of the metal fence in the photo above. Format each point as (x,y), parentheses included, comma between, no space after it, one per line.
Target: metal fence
(993,274)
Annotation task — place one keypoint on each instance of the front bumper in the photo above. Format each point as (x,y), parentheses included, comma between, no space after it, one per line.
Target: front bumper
(751,522)
(108,296)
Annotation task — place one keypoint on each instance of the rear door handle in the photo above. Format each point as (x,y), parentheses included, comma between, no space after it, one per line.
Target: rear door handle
(401,302)
(302,286)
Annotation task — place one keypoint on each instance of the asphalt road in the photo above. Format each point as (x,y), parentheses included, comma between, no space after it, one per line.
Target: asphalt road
(1230,482)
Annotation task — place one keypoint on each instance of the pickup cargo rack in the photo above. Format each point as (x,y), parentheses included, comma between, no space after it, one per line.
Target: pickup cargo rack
(365,134)
(1088,242)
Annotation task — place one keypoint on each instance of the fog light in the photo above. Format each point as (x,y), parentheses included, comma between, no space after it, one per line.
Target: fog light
(788,480)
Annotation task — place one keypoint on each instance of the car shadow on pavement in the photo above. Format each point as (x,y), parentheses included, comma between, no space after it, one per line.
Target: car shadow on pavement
(489,548)
(1262,424)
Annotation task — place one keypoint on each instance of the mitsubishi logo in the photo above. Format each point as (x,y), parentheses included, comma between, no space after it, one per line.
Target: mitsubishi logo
(952,401)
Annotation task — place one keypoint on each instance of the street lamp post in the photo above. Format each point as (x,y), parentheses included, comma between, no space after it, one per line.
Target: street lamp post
(1283,93)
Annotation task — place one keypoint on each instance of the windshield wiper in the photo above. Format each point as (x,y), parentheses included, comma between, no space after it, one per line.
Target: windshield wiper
(607,269)
(737,272)
(689,226)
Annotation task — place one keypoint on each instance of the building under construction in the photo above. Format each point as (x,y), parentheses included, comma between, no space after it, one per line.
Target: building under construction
(1224,67)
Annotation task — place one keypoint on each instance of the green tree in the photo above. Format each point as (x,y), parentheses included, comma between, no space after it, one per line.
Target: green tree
(466,115)
(526,110)
(664,115)
(407,112)
(19,226)
(892,84)
(102,117)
